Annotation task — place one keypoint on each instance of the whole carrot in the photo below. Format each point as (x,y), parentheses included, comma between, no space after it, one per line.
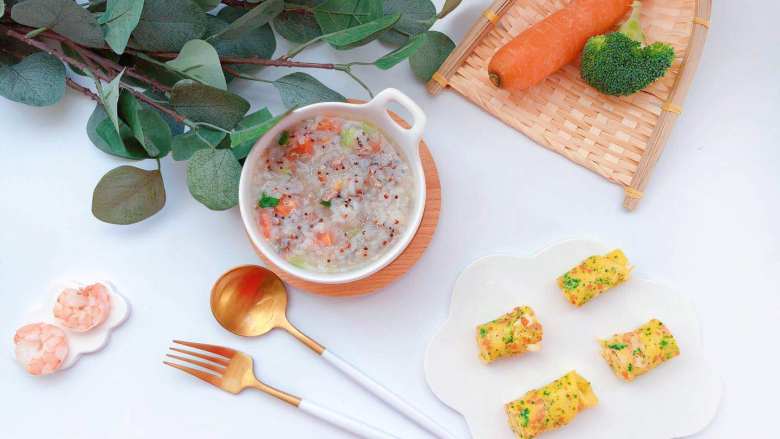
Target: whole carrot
(545,47)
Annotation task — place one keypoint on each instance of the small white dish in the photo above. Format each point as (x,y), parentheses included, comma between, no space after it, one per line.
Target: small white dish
(679,398)
(375,112)
(79,343)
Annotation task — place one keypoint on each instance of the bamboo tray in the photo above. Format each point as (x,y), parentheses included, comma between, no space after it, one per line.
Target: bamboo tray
(619,138)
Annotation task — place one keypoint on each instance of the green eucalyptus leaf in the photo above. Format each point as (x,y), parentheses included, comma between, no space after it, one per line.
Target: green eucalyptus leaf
(299,89)
(202,103)
(127,195)
(208,5)
(362,33)
(391,59)
(119,20)
(153,133)
(199,60)
(254,18)
(147,125)
(37,80)
(435,48)
(449,6)
(109,96)
(185,145)
(336,15)
(104,136)
(213,176)
(166,25)
(65,17)
(417,17)
(156,72)
(249,131)
(296,26)
(259,42)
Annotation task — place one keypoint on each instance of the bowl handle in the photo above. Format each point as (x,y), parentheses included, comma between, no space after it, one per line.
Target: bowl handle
(406,137)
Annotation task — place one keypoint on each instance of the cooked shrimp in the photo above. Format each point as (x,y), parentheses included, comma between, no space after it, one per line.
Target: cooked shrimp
(41,348)
(84,308)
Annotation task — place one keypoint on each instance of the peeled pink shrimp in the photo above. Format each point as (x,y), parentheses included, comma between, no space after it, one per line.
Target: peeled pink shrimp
(84,308)
(40,348)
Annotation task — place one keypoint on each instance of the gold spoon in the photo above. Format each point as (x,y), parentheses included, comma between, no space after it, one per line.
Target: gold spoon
(251,301)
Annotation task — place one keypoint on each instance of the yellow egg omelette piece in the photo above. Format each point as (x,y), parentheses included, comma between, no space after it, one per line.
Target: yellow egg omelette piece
(635,353)
(513,333)
(594,276)
(551,406)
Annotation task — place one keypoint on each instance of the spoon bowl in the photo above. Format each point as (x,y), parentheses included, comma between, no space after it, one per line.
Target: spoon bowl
(251,300)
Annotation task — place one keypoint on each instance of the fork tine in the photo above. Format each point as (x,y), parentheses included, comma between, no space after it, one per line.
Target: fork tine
(219,350)
(215,368)
(217,360)
(207,377)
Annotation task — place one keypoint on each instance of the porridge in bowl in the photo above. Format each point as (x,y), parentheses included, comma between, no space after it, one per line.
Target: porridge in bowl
(333,194)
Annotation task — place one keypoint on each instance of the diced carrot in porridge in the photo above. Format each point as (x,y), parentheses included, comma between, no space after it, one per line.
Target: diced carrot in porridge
(324,239)
(265,224)
(285,207)
(338,195)
(329,125)
(299,149)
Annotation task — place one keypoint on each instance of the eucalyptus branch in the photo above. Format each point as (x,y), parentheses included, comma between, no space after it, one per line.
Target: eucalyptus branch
(348,71)
(210,126)
(129,71)
(251,61)
(292,52)
(85,56)
(301,9)
(81,89)
(99,74)
(233,72)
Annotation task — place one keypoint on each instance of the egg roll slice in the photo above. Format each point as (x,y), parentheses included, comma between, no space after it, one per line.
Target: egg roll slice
(550,407)
(594,276)
(514,333)
(637,352)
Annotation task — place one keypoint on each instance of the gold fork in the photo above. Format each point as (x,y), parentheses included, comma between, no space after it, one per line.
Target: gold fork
(233,371)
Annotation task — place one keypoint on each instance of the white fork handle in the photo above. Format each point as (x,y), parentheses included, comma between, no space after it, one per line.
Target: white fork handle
(387,396)
(343,421)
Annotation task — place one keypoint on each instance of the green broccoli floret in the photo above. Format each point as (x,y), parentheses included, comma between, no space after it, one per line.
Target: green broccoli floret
(620,64)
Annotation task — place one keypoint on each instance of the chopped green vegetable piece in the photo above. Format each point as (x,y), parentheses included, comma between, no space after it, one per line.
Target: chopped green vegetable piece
(630,367)
(267,201)
(325,203)
(369,128)
(482,332)
(570,283)
(524,417)
(348,137)
(617,346)
(284,138)
(298,261)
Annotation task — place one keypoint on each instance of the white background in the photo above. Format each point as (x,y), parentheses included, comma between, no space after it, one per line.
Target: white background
(708,227)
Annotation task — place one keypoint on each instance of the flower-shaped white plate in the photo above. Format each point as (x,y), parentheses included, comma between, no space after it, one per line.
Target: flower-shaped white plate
(679,398)
(79,343)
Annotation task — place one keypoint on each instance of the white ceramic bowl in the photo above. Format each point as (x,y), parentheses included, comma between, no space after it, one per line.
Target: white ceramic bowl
(374,112)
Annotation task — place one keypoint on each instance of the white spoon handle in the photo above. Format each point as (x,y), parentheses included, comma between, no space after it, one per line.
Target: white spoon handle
(343,421)
(387,396)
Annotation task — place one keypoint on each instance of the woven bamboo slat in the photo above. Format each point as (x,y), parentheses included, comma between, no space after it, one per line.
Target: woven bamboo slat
(619,138)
